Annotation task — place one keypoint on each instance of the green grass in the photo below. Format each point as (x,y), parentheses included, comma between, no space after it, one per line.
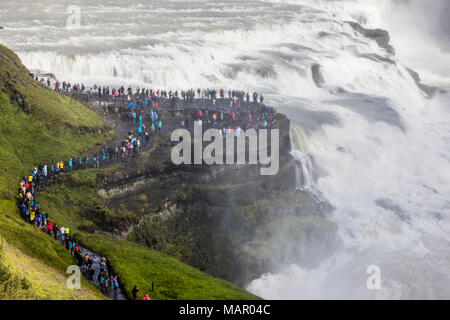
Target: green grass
(30,239)
(135,264)
(49,128)
(53,128)
(25,278)
(173,280)
(82,206)
(70,200)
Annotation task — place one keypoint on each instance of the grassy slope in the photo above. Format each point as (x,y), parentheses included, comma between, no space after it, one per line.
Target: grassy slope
(24,277)
(51,128)
(54,128)
(136,265)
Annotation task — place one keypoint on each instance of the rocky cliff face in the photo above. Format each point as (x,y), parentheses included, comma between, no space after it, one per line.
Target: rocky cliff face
(226,220)
(381,37)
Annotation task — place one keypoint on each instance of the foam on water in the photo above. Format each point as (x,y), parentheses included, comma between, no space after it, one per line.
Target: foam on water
(368,140)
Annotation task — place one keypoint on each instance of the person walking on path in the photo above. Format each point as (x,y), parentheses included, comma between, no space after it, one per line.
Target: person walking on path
(63,233)
(134,292)
(50,228)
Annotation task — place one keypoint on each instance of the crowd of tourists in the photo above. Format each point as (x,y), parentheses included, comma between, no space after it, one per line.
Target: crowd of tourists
(151,97)
(241,114)
(33,213)
(238,115)
(238,119)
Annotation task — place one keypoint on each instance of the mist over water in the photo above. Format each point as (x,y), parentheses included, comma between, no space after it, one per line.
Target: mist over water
(420,32)
(368,140)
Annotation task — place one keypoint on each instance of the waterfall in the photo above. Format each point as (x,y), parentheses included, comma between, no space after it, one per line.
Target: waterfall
(366,136)
(298,178)
(304,179)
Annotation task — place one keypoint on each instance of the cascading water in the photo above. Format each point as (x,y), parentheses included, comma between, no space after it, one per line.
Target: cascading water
(304,179)
(366,137)
(298,178)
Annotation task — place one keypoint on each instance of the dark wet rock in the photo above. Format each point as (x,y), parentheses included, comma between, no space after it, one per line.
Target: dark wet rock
(382,37)
(297,47)
(22,103)
(246,58)
(430,188)
(427,89)
(373,108)
(266,71)
(16,96)
(377,58)
(317,75)
(228,221)
(338,90)
(394,208)
(324,34)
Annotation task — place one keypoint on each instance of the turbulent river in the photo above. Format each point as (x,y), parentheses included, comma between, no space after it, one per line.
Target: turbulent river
(369,141)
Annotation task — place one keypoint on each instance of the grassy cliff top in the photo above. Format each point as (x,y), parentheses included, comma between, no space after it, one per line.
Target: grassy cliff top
(37,126)
(172,279)
(24,277)
(135,264)
(40,126)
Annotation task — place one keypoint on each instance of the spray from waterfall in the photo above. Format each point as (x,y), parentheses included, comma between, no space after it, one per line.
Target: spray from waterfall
(304,169)
(373,147)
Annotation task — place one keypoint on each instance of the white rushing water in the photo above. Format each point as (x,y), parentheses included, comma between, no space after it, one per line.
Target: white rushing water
(368,139)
